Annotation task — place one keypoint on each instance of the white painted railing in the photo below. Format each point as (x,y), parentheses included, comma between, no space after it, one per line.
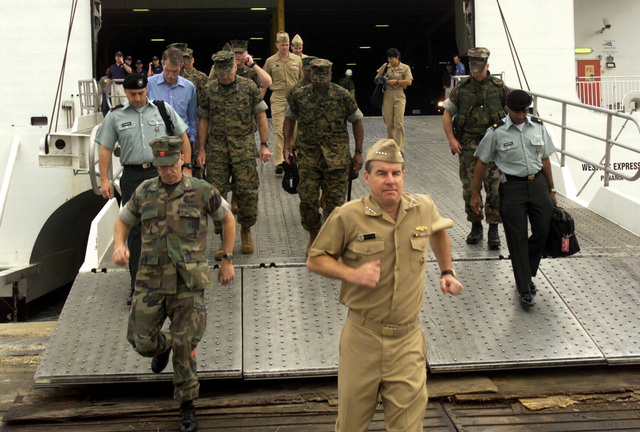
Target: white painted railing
(6,181)
(606,92)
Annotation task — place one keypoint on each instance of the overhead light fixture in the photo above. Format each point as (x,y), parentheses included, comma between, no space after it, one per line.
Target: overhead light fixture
(258,9)
(256,38)
(141,10)
(365,47)
(583,50)
(157,40)
(351,64)
(382,25)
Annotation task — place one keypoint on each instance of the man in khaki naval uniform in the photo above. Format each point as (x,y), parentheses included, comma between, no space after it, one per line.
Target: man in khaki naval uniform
(285,69)
(296,46)
(378,246)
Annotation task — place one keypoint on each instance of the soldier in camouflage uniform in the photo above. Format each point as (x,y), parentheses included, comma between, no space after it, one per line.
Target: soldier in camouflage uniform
(476,102)
(322,110)
(227,141)
(173,273)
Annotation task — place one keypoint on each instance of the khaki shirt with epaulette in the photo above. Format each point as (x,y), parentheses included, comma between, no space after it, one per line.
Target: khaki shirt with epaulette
(360,231)
(284,73)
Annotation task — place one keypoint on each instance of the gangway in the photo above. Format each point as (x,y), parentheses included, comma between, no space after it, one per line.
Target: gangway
(279,320)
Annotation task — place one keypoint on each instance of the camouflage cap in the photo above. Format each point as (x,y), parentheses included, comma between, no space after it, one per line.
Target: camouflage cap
(320,70)
(296,41)
(178,45)
(134,81)
(223,62)
(226,47)
(306,62)
(479,52)
(188,54)
(478,57)
(385,150)
(239,46)
(166,150)
(282,37)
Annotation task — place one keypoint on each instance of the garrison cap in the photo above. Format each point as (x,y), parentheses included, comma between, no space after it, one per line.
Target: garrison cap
(478,57)
(223,62)
(385,150)
(518,100)
(166,150)
(178,45)
(306,62)
(239,46)
(134,81)
(320,70)
(282,37)
(296,41)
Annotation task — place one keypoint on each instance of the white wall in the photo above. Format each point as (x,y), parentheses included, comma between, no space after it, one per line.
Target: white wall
(624,33)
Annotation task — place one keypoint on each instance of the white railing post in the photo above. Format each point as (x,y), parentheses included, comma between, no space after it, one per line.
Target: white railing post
(6,181)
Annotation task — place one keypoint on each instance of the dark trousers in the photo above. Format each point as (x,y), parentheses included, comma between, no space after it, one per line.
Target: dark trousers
(520,199)
(131,179)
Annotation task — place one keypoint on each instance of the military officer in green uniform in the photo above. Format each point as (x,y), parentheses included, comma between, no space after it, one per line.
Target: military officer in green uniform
(377,246)
(520,146)
(227,143)
(321,110)
(477,102)
(173,274)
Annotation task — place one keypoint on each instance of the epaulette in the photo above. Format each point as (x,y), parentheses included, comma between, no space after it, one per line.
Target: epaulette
(497,81)
(536,119)
(117,106)
(497,125)
(464,81)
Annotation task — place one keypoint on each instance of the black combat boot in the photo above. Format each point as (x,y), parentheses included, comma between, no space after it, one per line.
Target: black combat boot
(526,299)
(188,421)
(159,362)
(532,289)
(494,237)
(476,233)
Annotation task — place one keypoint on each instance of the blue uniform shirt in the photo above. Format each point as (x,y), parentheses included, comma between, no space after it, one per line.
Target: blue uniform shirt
(182,98)
(514,152)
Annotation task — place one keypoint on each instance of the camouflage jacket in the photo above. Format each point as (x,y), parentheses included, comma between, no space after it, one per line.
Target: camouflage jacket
(231,110)
(347,84)
(479,105)
(322,129)
(174,232)
(247,72)
(199,80)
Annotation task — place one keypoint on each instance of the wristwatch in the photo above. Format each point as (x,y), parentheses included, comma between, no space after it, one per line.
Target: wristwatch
(359,151)
(448,272)
(187,165)
(265,143)
(228,256)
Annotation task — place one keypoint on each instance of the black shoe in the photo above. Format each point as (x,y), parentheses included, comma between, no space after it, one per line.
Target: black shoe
(532,289)
(476,233)
(188,421)
(159,362)
(494,237)
(129,299)
(279,169)
(526,299)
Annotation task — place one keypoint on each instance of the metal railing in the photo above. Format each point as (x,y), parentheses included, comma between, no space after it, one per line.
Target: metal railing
(606,92)
(8,172)
(90,96)
(94,174)
(609,143)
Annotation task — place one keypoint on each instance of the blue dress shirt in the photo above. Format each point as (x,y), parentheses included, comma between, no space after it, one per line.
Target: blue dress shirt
(182,98)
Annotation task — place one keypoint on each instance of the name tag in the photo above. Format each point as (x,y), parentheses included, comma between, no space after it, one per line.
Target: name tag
(125,124)
(507,144)
(367,236)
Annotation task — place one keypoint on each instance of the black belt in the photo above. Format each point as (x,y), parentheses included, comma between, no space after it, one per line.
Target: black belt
(527,178)
(141,167)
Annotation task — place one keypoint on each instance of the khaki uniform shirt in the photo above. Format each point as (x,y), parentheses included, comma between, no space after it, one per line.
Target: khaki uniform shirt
(360,232)
(284,74)
(400,72)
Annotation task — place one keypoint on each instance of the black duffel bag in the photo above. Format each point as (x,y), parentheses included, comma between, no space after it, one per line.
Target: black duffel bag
(291,178)
(562,241)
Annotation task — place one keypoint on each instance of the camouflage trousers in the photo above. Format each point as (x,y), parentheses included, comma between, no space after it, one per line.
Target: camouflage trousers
(188,317)
(490,182)
(313,176)
(245,187)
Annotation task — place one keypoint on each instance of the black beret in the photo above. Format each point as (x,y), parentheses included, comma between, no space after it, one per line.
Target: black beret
(135,81)
(518,100)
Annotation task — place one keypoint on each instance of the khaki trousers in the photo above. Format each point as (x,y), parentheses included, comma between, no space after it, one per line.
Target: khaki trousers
(393,106)
(278,103)
(392,366)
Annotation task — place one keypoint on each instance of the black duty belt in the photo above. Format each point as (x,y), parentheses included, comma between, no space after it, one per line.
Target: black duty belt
(141,167)
(382,328)
(527,178)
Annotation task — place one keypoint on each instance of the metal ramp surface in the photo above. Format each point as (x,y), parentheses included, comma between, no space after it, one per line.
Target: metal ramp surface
(279,320)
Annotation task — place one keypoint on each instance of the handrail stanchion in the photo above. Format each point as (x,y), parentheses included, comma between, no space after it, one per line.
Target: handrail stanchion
(563,140)
(8,172)
(608,146)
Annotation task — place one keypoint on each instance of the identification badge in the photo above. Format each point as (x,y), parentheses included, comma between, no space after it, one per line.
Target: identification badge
(565,244)
(367,236)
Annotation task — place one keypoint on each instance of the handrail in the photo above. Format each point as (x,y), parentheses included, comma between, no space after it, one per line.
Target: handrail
(110,88)
(93,175)
(89,96)
(609,143)
(6,182)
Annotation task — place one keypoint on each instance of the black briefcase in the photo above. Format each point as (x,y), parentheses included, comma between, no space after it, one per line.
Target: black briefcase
(562,241)
(291,177)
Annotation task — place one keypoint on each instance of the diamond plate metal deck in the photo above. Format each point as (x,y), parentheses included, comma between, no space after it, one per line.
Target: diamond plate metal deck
(89,343)
(604,295)
(292,323)
(485,327)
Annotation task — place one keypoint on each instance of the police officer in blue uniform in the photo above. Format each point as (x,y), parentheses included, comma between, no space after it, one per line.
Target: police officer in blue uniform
(520,146)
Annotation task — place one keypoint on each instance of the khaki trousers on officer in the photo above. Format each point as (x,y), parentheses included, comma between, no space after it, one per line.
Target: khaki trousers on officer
(278,103)
(188,317)
(393,366)
(393,106)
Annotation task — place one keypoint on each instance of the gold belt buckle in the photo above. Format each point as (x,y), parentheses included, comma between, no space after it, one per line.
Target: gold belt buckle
(146,165)
(388,331)
(531,177)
